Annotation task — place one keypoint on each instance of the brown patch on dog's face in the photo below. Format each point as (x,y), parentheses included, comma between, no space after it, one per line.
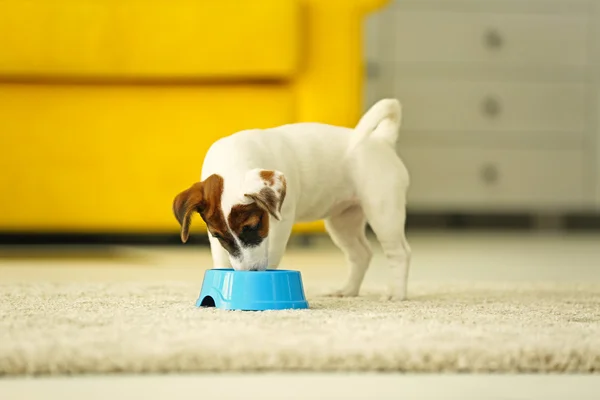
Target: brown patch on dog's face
(268,176)
(250,223)
(205,199)
(266,198)
(215,220)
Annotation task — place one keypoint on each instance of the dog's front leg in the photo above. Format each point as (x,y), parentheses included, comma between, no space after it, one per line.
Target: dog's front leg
(279,235)
(220,256)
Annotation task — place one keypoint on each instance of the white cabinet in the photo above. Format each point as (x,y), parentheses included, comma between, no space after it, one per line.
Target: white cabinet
(487,178)
(496,38)
(500,101)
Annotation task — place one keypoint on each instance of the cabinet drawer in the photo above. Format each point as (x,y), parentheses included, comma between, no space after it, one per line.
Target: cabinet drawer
(482,107)
(482,37)
(490,179)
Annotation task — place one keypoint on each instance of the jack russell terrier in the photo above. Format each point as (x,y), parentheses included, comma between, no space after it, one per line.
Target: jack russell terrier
(256,184)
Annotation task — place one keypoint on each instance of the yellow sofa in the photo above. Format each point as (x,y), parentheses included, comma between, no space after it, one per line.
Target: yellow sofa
(107,107)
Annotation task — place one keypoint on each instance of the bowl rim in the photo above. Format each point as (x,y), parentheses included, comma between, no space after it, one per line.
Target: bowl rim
(231,270)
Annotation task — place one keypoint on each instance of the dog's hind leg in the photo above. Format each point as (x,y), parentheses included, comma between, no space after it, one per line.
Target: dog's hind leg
(387,218)
(347,231)
(382,183)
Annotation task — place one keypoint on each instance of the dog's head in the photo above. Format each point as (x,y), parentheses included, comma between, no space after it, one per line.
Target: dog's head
(239,219)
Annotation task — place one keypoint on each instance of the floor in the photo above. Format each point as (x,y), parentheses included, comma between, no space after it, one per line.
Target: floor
(437,256)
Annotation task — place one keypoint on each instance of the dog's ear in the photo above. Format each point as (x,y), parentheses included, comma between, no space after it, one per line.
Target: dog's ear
(184,206)
(267,188)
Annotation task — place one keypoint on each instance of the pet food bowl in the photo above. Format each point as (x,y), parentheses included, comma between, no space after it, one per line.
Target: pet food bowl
(252,290)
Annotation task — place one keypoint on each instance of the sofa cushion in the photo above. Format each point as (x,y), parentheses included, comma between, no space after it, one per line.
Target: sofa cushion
(149,39)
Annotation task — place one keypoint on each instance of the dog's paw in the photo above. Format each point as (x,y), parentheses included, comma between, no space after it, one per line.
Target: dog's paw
(393,298)
(394,294)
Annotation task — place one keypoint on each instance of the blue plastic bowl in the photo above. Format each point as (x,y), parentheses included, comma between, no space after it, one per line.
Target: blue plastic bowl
(252,290)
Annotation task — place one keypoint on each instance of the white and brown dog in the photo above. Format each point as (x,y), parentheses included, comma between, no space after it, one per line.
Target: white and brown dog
(256,184)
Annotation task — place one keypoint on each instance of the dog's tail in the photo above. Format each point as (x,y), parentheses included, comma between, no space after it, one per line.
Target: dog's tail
(382,121)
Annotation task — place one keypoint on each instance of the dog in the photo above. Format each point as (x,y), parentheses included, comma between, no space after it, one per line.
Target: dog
(256,184)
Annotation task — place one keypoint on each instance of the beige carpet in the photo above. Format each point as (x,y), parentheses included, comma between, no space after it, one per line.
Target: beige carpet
(125,327)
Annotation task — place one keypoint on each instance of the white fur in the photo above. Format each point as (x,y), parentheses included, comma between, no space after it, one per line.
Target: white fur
(346,176)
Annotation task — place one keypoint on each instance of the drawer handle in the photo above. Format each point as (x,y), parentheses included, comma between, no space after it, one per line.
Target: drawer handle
(490,174)
(493,40)
(491,107)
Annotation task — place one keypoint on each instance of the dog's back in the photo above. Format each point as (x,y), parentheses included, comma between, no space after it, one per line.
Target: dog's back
(322,163)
